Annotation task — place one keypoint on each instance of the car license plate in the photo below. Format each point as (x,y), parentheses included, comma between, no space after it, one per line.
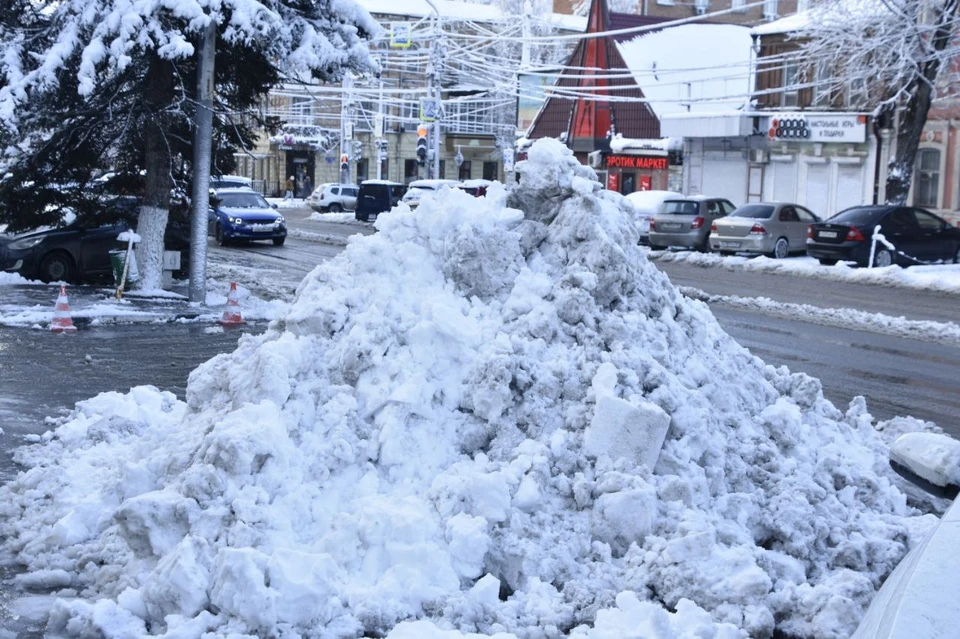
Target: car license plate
(670,226)
(729,244)
(263,228)
(828,234)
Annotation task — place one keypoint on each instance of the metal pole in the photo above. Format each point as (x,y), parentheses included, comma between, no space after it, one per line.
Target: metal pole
(202,152)
(380,133)
(436,96)
(345,144)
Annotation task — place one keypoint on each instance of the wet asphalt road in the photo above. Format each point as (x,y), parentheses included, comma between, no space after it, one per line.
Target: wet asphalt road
(43,374)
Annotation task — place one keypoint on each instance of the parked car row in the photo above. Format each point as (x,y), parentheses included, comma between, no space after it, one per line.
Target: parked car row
(379,196)
(779,229)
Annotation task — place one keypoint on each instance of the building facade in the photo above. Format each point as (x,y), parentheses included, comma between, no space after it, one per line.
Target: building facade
(373,122)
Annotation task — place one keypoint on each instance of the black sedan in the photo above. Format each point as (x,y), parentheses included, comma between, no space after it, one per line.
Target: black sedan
(917,237)
(79,250)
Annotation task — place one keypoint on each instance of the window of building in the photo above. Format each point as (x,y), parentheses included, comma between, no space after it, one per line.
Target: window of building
(301,110)
(442,174)
(464,173)
(490,171)
(802,5)
(410,170)
(770,9)
(363,170)
(791,80)
(739,5)
(927,178)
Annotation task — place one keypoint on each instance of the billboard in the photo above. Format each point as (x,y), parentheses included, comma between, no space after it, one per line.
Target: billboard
(533,86)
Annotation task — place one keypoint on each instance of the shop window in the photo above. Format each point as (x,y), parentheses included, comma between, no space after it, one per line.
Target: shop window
(490,170)
(927,179)
(410,171)
(464,171)
(363,170)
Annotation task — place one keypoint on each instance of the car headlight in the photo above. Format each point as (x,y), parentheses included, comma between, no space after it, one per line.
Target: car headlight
(280,220)
(235,220)
(25,243)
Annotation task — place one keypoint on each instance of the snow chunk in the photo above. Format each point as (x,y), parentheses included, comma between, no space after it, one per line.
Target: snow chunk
(932,456)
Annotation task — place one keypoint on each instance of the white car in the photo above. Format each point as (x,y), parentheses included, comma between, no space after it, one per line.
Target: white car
(334,198)
(646,204)
(418,188)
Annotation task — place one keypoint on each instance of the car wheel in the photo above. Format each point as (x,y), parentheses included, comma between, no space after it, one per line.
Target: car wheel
(704,246)
(956,255)
(826,261)
(883,258)
(221,238)
(335,208)
(781,249)
(56,267)
(278,241)
(657,247)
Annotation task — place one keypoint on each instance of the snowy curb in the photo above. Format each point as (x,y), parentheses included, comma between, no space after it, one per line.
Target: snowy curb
(929,331)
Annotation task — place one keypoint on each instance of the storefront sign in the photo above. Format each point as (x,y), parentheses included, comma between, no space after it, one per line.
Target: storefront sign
(638,162)
(800,127)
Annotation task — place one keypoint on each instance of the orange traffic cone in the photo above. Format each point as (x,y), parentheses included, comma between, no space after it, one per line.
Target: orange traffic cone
(231,314)
(61,314)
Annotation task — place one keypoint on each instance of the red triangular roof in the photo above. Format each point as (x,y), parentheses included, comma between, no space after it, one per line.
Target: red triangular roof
(587,120)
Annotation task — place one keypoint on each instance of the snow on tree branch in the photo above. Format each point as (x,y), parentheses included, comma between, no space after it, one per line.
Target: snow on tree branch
(321,37)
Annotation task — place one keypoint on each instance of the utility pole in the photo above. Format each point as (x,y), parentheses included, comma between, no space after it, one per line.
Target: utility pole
(346,126)
(379,128)
(434,73)
(202,152)
(436,52)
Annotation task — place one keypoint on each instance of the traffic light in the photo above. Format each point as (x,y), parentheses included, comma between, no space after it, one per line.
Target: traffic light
(344,162)
(421,144)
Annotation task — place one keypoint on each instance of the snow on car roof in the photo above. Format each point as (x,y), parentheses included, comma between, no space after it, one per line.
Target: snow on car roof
(431,184)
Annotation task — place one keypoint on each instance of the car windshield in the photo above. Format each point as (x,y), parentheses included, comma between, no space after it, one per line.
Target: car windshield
(242,201)
(681,207)
(858,215)
(754,211)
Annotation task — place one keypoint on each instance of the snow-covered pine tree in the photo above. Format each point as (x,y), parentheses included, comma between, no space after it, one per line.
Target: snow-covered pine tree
(900,53)
(92,85)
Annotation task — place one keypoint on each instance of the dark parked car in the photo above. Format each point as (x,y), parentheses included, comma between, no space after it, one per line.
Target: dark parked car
(78,250)
(244,215)
(376,197)
(917,235)
(687,222)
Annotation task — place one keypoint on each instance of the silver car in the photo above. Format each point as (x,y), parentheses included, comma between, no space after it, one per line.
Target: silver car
(770,228)
(687,222)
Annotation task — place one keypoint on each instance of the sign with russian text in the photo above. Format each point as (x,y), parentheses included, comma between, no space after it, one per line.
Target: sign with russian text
(802,127)
(652,163)
(400,35)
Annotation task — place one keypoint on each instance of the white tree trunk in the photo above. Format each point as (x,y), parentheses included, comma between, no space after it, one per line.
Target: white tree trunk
(150,227)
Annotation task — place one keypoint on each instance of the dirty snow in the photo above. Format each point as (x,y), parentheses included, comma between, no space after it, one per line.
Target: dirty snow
(423,445)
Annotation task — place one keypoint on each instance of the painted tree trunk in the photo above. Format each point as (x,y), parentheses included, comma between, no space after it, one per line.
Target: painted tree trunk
(152,222)
(911,121)
(913,116)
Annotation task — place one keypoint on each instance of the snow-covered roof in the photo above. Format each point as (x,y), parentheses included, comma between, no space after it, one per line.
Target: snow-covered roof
(620,143)
(463,11)
(835,12)
(695,67)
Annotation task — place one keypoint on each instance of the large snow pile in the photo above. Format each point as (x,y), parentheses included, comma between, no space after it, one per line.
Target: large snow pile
(457,429)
